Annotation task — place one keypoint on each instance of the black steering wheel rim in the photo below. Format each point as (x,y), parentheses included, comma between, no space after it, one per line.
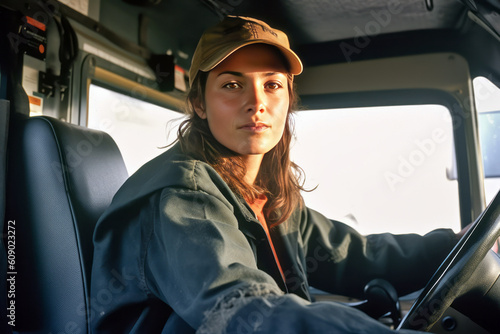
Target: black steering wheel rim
(449,281)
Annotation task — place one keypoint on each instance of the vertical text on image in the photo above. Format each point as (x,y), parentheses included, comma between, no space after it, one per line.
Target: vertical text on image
(11,272)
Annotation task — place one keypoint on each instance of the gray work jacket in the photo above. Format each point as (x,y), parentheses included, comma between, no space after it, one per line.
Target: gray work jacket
(177,251)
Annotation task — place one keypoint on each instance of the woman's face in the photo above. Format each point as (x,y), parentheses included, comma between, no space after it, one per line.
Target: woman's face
(246,100)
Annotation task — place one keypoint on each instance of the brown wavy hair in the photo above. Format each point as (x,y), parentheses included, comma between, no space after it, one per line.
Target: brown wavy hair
(279,178)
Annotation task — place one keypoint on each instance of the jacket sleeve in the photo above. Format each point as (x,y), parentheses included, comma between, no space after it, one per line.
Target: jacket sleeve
(199,263)
(345,260)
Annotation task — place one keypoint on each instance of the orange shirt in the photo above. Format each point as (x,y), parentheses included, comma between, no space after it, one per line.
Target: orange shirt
(258,208)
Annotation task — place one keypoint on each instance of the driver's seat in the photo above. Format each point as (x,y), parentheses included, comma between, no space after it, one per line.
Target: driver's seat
(61,177)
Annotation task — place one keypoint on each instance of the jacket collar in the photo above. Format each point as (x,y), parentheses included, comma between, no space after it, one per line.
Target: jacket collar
(174,168)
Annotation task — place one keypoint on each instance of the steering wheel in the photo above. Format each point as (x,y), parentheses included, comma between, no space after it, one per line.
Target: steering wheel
(450,280)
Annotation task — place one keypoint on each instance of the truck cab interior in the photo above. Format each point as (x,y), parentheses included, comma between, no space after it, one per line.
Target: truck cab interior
(398,131)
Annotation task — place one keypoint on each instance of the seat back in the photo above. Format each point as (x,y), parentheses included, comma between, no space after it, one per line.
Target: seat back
(61,177)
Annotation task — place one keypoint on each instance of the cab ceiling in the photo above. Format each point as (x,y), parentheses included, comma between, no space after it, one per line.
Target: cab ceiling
(177,24)
(323,20)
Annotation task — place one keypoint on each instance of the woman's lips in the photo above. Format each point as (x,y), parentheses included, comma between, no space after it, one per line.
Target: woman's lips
(255,127)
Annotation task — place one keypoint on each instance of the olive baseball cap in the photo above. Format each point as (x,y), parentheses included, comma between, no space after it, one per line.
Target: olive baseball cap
(232,33)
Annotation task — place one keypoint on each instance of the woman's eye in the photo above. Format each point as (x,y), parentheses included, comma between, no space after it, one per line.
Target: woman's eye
(274,85)
(232,85)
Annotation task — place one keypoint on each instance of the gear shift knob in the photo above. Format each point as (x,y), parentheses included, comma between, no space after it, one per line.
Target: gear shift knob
(382,299)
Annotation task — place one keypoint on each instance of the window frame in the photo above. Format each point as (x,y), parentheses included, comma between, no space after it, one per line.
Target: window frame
(425,78)
(101,72)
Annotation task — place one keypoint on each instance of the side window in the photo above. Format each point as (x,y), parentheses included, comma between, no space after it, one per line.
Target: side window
(380,169)
(487,100)
(141,130)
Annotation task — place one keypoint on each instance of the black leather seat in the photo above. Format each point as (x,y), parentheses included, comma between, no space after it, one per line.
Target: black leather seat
(61,177)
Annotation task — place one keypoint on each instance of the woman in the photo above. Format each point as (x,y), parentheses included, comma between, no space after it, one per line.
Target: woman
(212,236)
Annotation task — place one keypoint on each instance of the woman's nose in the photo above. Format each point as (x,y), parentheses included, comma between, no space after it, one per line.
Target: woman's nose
(255,101)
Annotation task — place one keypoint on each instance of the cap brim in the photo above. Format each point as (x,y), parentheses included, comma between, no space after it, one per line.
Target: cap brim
(295,65)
